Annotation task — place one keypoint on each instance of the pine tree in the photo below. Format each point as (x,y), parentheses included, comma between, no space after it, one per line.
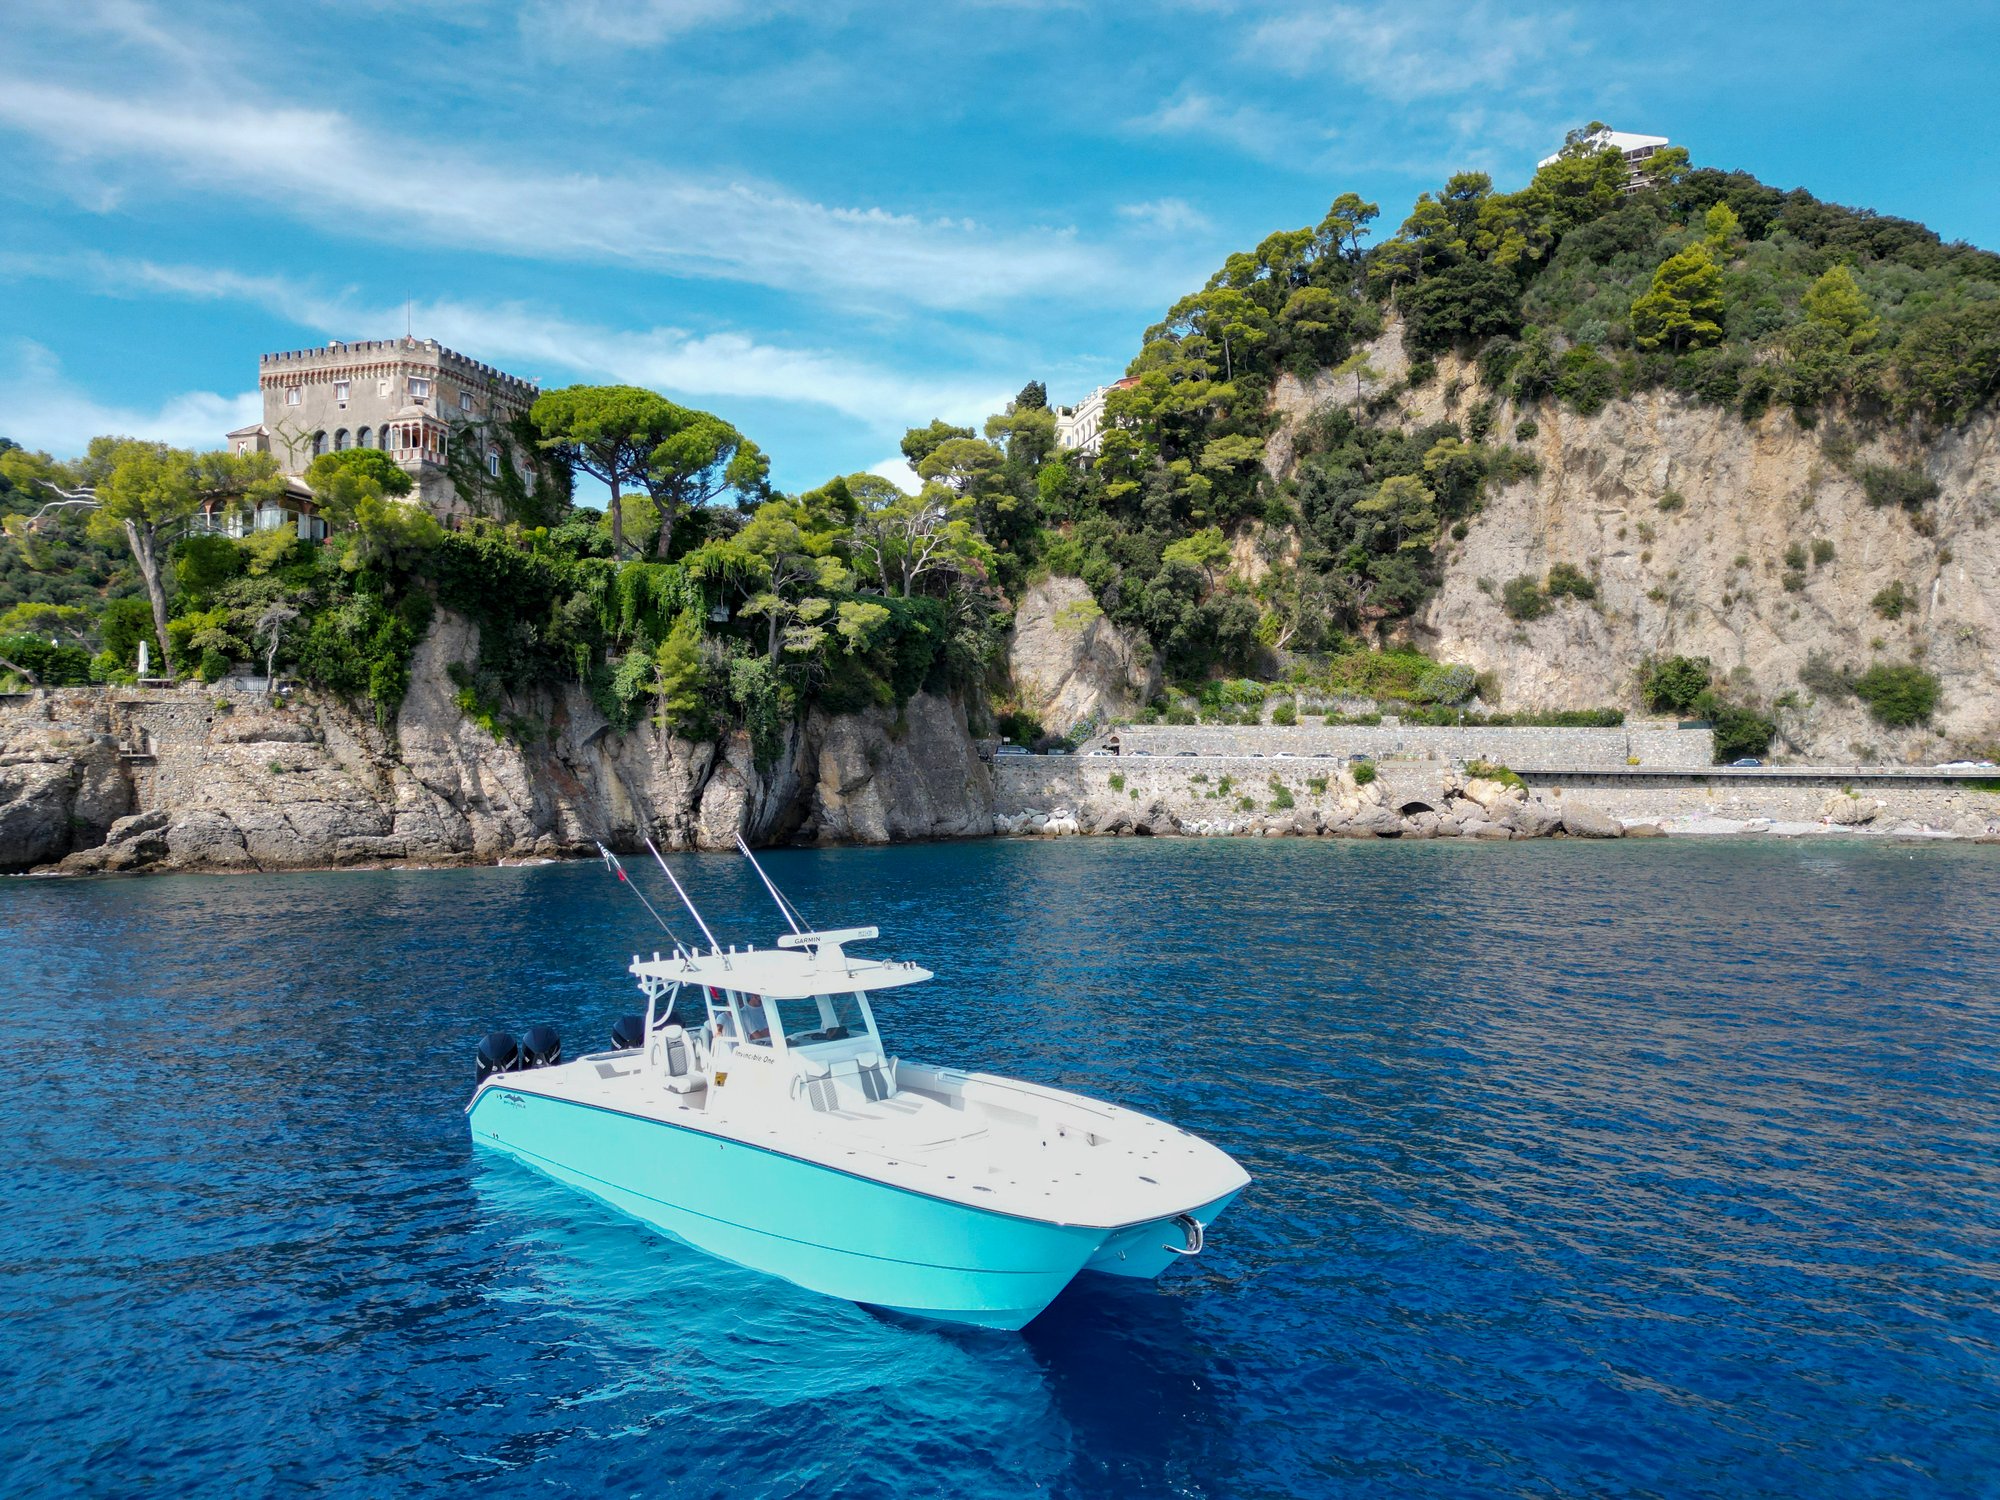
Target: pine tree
(1684,307)
(1836,301)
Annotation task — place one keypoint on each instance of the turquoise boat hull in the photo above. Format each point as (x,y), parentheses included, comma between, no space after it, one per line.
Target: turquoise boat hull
(843,1235)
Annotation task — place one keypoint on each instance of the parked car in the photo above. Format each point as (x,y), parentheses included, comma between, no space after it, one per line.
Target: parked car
(1012,750)
(1093,754)
(1057,750)
(1357,758)
(1968,765)
(1748,760)
(1185,752)
(1284,755)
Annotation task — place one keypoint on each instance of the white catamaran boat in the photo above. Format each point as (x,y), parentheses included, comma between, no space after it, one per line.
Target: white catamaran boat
(755,1113)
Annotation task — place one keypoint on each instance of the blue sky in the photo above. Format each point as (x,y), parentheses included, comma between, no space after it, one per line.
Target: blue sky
(830,221)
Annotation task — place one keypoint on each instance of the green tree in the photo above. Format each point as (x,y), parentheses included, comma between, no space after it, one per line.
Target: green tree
(1357,364)
(1898,696)
(699,456)
(149,492)
(1206,549)
(919,442)
(1720,226)
(1675,683)
(341,481)
(903,538)
(1683,309)
(1836,302)
(608,432)
(1408,508)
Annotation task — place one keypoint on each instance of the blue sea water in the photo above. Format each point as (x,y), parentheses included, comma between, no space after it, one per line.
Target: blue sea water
(1618,1170)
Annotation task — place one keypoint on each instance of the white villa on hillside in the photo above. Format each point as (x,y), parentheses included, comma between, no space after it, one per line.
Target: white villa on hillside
(1636,149)
(1080,428)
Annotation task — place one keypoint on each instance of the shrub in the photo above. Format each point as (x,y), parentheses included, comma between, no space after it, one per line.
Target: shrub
(1893,602)
(1740,731)
(1898,696)
(1316,785)
(56,666)
(1672,501)
(1281,797)
(1487,770)
(1116,781)
(1364,773)
(1568,580)
(1446,685)
(1285,713)
(1823,679)
(1675,684)
(1246,804)
(1525,429)
(1585,379)
(1895,484)
(1793,581)
(1822,552)
(1795,557)
(213,666)
(1523,598)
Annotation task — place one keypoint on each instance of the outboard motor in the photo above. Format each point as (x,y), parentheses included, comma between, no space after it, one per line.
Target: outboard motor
(541,1047)
(628,1033)
(499,1053)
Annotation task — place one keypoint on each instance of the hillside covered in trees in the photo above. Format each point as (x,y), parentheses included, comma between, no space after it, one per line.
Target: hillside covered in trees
(704,598)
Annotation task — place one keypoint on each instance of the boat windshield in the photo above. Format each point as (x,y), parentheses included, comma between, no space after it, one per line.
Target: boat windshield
(821,1019)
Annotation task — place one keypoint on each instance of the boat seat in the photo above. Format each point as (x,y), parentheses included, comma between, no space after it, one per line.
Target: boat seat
(673,1051)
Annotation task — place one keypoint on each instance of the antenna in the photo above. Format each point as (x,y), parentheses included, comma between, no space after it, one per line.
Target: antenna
(712,943)
(611,863)
(790,913)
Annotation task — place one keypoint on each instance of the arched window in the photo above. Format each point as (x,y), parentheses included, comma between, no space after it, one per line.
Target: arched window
(339,439)
(493,462)
(319,443)
(363,439)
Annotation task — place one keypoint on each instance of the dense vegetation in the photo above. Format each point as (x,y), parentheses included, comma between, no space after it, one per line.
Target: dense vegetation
(703,596)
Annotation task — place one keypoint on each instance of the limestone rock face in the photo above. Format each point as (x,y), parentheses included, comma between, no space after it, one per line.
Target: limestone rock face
(1070,664)
(879,779)
(61,786)
(222,783)
(1709,575)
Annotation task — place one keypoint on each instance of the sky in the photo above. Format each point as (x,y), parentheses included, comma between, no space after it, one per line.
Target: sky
(831,221)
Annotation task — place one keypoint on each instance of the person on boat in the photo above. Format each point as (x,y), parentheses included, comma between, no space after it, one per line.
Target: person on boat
(756,1027)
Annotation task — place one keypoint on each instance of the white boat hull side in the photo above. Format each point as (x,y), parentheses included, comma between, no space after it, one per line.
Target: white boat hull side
(845,1236)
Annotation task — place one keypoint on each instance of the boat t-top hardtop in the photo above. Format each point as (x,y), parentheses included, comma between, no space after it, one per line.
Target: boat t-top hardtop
(755,1113)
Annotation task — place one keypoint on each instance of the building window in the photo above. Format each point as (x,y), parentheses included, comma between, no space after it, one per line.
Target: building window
(340,439)
(382,387)
(420,388)
(242,445)
(291,395)
(319,444)
(361,439)
(493,462)
(465,401)
(340,390)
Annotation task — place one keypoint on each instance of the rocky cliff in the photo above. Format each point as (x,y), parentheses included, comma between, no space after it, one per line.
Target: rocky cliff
(1069,664)
(212,779)
(1683,515)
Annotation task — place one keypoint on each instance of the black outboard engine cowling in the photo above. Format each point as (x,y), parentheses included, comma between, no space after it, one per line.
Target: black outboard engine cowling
(541,1047)
(628,1033)
(499,1053)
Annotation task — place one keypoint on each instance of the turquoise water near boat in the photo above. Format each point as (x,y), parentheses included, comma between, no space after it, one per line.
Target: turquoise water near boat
(1626,1170)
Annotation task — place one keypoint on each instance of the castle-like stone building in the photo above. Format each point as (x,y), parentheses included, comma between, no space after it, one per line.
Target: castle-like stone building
(445,417)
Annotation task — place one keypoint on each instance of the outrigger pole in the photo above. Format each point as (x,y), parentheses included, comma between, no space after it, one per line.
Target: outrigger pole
(712,943)
(611,863)
(790,913)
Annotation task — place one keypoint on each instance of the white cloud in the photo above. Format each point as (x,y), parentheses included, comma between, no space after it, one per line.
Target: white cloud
(567,24)
(1409,50)
(538,343)
(1167,215)
(328,166)
(898,472)
(1194,113)
(39,408)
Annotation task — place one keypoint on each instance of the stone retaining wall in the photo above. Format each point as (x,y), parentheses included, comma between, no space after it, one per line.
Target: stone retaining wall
(1649,743)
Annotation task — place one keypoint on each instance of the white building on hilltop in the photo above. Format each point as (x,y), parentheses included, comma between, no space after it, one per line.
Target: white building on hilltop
(1636,149)
(1080,428)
